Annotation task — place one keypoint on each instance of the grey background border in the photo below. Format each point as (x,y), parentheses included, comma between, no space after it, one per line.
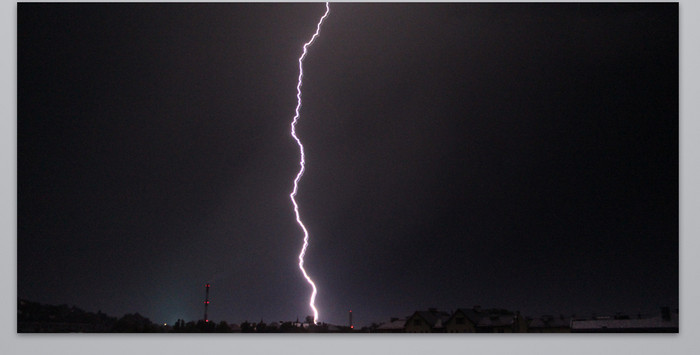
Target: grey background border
(686,342)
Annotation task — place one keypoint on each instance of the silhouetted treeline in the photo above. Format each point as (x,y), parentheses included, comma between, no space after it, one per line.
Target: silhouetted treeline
(135,323)
(253,327)
(33,317)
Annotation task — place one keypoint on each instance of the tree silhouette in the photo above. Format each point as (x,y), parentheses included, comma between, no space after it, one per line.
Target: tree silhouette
(261,327)
(223,327)
(288,327)
(191,327)
(246,327)
(134,323)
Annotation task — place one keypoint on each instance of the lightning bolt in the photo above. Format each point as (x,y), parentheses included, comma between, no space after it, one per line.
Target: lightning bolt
(302,162)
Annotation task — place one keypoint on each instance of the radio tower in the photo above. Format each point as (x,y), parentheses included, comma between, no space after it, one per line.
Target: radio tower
(206,304)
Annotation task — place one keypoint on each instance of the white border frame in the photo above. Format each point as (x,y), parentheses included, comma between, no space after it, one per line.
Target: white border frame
(684,343)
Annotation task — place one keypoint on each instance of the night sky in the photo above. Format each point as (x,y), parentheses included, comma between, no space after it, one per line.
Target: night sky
(518,156)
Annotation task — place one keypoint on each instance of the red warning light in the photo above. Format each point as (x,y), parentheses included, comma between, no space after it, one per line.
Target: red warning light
(206,320)
(352,327)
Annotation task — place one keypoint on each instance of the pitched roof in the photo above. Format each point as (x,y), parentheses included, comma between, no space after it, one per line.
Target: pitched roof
(550,322)
(435,319)
(473,315)
(496,320)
